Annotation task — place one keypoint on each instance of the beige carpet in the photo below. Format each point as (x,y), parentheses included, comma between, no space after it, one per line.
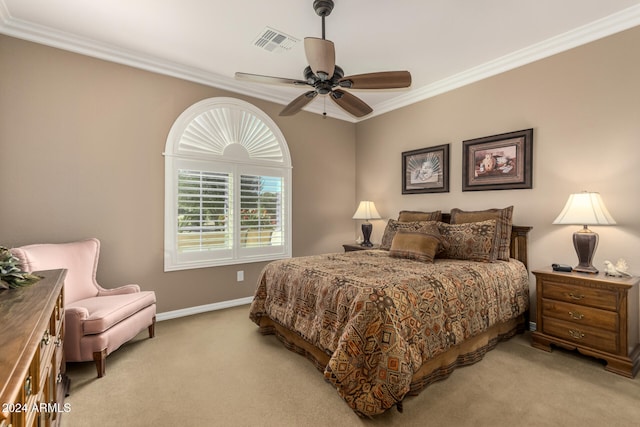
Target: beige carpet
(215,369)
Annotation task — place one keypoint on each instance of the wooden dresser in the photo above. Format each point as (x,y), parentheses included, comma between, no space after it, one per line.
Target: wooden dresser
(33,383)
(595,314)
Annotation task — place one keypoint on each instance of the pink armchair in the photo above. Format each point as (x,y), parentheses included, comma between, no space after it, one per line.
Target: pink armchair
(97,320)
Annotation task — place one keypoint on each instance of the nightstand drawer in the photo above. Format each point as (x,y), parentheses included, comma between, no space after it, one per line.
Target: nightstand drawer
(592,297)
(580,315)
(581,334)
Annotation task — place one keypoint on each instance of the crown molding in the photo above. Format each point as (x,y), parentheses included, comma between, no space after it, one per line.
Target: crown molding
(620,21)
(4,13)
(612,24)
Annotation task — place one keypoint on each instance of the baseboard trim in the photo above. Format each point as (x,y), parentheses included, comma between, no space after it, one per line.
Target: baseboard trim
(167,315)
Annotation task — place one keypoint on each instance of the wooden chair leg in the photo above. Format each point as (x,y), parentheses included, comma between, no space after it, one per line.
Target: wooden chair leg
(100,357)
(152,328)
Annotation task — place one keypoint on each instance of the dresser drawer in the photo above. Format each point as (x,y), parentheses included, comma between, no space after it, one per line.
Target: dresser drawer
(580,315)
(581,334)
(593,297)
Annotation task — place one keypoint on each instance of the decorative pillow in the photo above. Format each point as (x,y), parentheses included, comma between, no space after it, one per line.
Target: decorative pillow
(412,216)
(415,245)
(504,222)
(393,226)
(474,241)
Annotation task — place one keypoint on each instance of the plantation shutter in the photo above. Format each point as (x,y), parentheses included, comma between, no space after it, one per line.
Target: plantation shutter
(227,187)
(203,211)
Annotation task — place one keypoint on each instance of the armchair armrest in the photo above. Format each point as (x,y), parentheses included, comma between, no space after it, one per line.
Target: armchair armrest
(73,314)
(126,289)
(73,320)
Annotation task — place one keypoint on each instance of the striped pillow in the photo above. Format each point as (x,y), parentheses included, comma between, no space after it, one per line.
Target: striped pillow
(415,245)
(394,226)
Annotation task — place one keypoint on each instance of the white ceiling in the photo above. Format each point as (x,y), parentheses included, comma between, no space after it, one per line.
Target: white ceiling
(443,43)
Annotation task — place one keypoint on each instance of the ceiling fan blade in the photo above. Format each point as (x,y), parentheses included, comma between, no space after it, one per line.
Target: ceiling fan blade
(298,103)
(380,80)
(321,56)
(258,78)
(352,104)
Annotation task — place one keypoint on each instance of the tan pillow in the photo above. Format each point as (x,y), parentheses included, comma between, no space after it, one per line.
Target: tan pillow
(474,241)
(504,222)
(414,245)
(412,216)
(393,226)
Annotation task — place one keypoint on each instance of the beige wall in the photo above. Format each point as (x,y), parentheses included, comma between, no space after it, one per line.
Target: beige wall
(584,108)
(81,144)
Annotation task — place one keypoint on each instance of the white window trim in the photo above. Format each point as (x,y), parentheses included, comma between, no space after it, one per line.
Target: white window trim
(273,162)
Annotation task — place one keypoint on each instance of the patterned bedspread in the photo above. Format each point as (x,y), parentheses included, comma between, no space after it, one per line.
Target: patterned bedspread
(379,318)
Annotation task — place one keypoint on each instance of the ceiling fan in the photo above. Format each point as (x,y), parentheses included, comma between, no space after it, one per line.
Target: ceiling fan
(326,78)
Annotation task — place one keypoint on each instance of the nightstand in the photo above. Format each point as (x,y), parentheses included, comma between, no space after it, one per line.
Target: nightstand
(592,313)
(356,247)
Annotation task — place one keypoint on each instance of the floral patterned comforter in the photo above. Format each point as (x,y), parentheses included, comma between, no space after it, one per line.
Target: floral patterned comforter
(379,318)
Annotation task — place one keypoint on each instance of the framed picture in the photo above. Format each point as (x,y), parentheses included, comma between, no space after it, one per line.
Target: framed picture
(426,170)
(498,162)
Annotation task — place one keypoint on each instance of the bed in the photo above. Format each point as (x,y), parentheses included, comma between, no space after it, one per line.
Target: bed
(383,324)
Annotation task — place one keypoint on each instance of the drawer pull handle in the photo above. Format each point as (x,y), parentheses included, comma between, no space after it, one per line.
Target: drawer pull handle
(27,386)
(576,315)
(576,334)
(46,339)
(576,297)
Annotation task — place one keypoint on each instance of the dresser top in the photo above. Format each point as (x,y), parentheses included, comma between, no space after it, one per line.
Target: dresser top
(600,277)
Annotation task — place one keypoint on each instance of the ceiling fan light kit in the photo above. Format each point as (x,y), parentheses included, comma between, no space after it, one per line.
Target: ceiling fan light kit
(327,78)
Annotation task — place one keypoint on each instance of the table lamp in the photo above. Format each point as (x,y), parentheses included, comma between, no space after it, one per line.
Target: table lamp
(366,210)
(585,209)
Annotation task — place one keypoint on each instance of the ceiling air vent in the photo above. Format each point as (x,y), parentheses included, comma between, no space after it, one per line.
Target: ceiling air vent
(275,41)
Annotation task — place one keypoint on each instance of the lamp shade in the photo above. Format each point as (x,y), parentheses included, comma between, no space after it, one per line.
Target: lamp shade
(366,210)
(585,209)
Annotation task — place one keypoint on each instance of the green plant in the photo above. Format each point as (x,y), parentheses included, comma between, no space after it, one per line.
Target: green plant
(257,218)
(11,276)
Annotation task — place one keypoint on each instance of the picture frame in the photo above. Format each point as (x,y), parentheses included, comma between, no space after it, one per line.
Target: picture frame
(498,162)
(426,170)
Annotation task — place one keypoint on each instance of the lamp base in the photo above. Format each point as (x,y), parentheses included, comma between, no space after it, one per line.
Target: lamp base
(366,234)
(587,269)
(585,242)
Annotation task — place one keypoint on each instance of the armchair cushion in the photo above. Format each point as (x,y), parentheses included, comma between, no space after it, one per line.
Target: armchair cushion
(105,311)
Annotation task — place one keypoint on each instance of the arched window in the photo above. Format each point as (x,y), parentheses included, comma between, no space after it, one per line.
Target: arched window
(227,187)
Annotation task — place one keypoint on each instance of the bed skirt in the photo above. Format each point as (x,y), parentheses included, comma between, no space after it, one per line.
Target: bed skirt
(436,369)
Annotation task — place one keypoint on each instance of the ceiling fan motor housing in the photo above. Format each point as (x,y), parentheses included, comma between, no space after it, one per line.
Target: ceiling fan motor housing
(323,86)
